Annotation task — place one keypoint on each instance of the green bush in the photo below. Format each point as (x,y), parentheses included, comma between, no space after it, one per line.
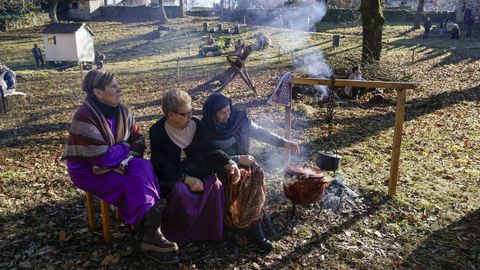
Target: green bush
(10,22)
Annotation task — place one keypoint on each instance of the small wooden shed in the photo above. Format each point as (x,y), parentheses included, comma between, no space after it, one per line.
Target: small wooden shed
(68,42)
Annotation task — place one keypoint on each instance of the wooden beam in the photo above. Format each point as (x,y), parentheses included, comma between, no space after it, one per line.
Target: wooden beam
(399,114)
(354,83)
(397,141)
(288,126)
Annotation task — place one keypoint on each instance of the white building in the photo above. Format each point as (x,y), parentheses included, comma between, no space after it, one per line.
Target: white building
(68,42)
(86,9)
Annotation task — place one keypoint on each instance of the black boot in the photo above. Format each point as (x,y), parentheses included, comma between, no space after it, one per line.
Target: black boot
(153,239)
(256,232)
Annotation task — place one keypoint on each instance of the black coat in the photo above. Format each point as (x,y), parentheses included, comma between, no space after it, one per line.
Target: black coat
(455,34)
(203,159)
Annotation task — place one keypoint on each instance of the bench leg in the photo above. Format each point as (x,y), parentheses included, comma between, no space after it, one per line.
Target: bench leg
(92,224)
(106,221)
(118,215)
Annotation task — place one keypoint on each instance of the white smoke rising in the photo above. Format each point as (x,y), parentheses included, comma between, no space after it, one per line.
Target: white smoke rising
(302,20)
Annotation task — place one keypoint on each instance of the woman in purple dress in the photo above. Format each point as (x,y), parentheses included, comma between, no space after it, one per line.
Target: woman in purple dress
(104,157)
(185,160)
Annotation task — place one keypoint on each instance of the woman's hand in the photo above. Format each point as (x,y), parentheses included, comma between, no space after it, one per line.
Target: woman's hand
(195,184)
(292,147)
(246,160)
(232,167)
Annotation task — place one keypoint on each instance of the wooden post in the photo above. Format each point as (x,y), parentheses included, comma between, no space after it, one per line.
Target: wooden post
(92,224)
(81,72)
(178,70)
(293,58)
(278,57)
(399,115)
(107,235)
(397,141)
(244,19)
(413,55)
(118,215)
(288,126)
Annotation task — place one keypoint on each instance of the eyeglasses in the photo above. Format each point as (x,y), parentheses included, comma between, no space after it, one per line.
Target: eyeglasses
(185,114)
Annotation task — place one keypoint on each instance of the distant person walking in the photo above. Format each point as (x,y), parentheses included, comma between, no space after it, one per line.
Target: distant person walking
(427,26)
(443,26)
(99,58)
(455,36)
(469,20)
(37,53)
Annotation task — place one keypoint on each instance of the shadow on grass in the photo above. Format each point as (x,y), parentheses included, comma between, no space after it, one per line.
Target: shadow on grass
(376,200)
(364,127)
(56,234)
(438,47)
(453,247)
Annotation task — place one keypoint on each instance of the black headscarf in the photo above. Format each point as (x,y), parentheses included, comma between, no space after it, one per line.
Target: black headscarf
(238,124)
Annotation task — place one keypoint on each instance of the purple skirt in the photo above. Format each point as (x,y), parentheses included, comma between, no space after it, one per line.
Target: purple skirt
(134,193)
(191,216)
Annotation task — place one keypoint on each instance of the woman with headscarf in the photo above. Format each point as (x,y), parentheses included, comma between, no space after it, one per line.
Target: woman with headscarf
(185,162)
(104,157)
(231,130)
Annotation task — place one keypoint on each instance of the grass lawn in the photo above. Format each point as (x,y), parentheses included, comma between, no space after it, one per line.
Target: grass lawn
(433,223)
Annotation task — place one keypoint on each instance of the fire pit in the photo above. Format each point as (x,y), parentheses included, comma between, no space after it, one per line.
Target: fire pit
(304,184)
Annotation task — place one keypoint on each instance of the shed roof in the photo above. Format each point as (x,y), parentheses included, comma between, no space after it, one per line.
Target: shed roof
(65,28)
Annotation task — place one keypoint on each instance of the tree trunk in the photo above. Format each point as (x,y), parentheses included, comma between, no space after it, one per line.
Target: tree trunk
(222,6)
(162,16)
(418,15)
(182,12)
(52,11)
(372,25)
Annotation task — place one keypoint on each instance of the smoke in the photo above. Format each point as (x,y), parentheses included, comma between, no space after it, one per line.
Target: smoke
(299,24)
(302,20)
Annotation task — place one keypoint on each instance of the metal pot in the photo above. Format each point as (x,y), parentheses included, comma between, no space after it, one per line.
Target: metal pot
(328,161)
(303,184)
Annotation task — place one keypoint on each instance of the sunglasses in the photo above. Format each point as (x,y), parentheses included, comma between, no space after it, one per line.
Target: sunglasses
(185,114)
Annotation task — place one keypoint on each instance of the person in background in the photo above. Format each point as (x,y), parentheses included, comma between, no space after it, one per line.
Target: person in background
(210,39)
(99,58)
(449,26)
(427,26)
(469,20)
(104,156)
(186,162)
(231,130)
(469,25)
(9,81)
(455,36)
(37,53)
(239,46)
(442,26)
(354,92)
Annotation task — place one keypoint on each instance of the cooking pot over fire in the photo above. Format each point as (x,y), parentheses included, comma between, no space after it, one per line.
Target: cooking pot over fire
(304,184)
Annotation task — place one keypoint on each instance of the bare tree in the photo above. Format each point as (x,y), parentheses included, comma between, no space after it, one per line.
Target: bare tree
(52,10)
(418,15)
(182,12)
(372,25)
(162,16)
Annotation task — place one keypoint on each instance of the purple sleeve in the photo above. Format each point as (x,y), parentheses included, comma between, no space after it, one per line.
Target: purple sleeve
(114,155)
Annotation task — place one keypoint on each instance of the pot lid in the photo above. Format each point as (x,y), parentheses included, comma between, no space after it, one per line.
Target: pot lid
(307,171)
